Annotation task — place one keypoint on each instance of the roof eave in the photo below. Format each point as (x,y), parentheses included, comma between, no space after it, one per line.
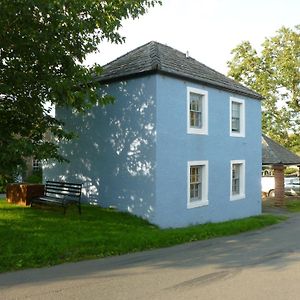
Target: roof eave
(280,163)
(157,70)
(212,84)
(125,76)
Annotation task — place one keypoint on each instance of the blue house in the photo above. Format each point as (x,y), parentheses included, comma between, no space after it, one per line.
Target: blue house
(181,145)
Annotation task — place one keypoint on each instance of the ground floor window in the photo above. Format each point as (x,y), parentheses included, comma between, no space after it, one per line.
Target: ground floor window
(237,189)
(197,183)
(36,165)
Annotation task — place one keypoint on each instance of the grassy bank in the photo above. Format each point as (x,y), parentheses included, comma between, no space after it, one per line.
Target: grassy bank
(293,205)
(36,238)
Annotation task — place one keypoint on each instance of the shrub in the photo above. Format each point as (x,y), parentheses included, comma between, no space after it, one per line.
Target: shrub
(2,185)
(291,171)
(35,177)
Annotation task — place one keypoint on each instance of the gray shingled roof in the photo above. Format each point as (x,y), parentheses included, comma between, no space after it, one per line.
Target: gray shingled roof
(154,57)
(273,153)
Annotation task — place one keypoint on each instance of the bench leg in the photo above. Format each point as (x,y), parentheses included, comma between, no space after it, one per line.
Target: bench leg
(79,208)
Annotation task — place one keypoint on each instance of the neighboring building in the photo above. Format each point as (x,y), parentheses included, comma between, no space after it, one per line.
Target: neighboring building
(181,144)
(277,157)
(275,154)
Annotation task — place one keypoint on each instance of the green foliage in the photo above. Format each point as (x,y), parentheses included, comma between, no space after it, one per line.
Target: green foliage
(35,238)
(9,178)
(3,184)
(35,177)
(42,46)
(294,143)
(290,170)
(275,74)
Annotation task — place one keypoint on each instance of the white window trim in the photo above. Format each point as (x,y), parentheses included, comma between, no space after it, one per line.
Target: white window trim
(242,193)
(204,200)
(204,129)
(242,117)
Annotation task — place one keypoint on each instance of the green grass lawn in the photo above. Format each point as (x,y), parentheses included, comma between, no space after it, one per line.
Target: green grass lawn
(38,237)
(293,205)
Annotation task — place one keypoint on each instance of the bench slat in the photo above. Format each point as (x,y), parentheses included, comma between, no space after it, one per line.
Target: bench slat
(57,183)
(58,191)
(70,191)
(49,199)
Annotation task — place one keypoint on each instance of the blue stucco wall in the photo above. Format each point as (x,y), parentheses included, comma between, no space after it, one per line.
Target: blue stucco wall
(175,148)
(114,155)
(133,154)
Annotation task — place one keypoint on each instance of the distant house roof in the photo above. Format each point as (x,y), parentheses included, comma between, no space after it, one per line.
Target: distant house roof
(154,57)
(273,153)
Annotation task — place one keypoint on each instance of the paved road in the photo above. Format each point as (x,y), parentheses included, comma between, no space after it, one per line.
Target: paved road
(257,265)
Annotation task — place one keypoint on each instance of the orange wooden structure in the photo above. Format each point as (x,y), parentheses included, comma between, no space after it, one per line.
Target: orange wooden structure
(21,193)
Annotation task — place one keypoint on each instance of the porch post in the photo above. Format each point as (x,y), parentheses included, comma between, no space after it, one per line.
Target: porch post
(279,184)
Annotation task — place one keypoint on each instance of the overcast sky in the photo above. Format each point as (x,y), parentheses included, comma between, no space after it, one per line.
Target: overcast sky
(208,29)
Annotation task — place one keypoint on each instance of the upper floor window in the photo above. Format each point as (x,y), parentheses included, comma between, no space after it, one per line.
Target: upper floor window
(237,117)
(197,111)
(237,179)
(197,183)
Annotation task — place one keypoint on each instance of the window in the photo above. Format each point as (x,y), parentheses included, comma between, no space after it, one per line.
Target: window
(237,190)
(36,165)
(237,117)
(197,183)
(197,111)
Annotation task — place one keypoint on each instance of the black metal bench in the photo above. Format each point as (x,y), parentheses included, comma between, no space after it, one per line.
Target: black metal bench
(61,194)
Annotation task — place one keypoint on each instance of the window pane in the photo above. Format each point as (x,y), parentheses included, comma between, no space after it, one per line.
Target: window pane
(235,116)
(196,110)
(236,109)
(235,124)
(235,187)
(195,119)
(191,192)
(236,170)
(200,190)
(196,99)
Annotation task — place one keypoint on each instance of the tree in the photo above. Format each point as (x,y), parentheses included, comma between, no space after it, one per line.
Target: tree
(275,74)
(42,47)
